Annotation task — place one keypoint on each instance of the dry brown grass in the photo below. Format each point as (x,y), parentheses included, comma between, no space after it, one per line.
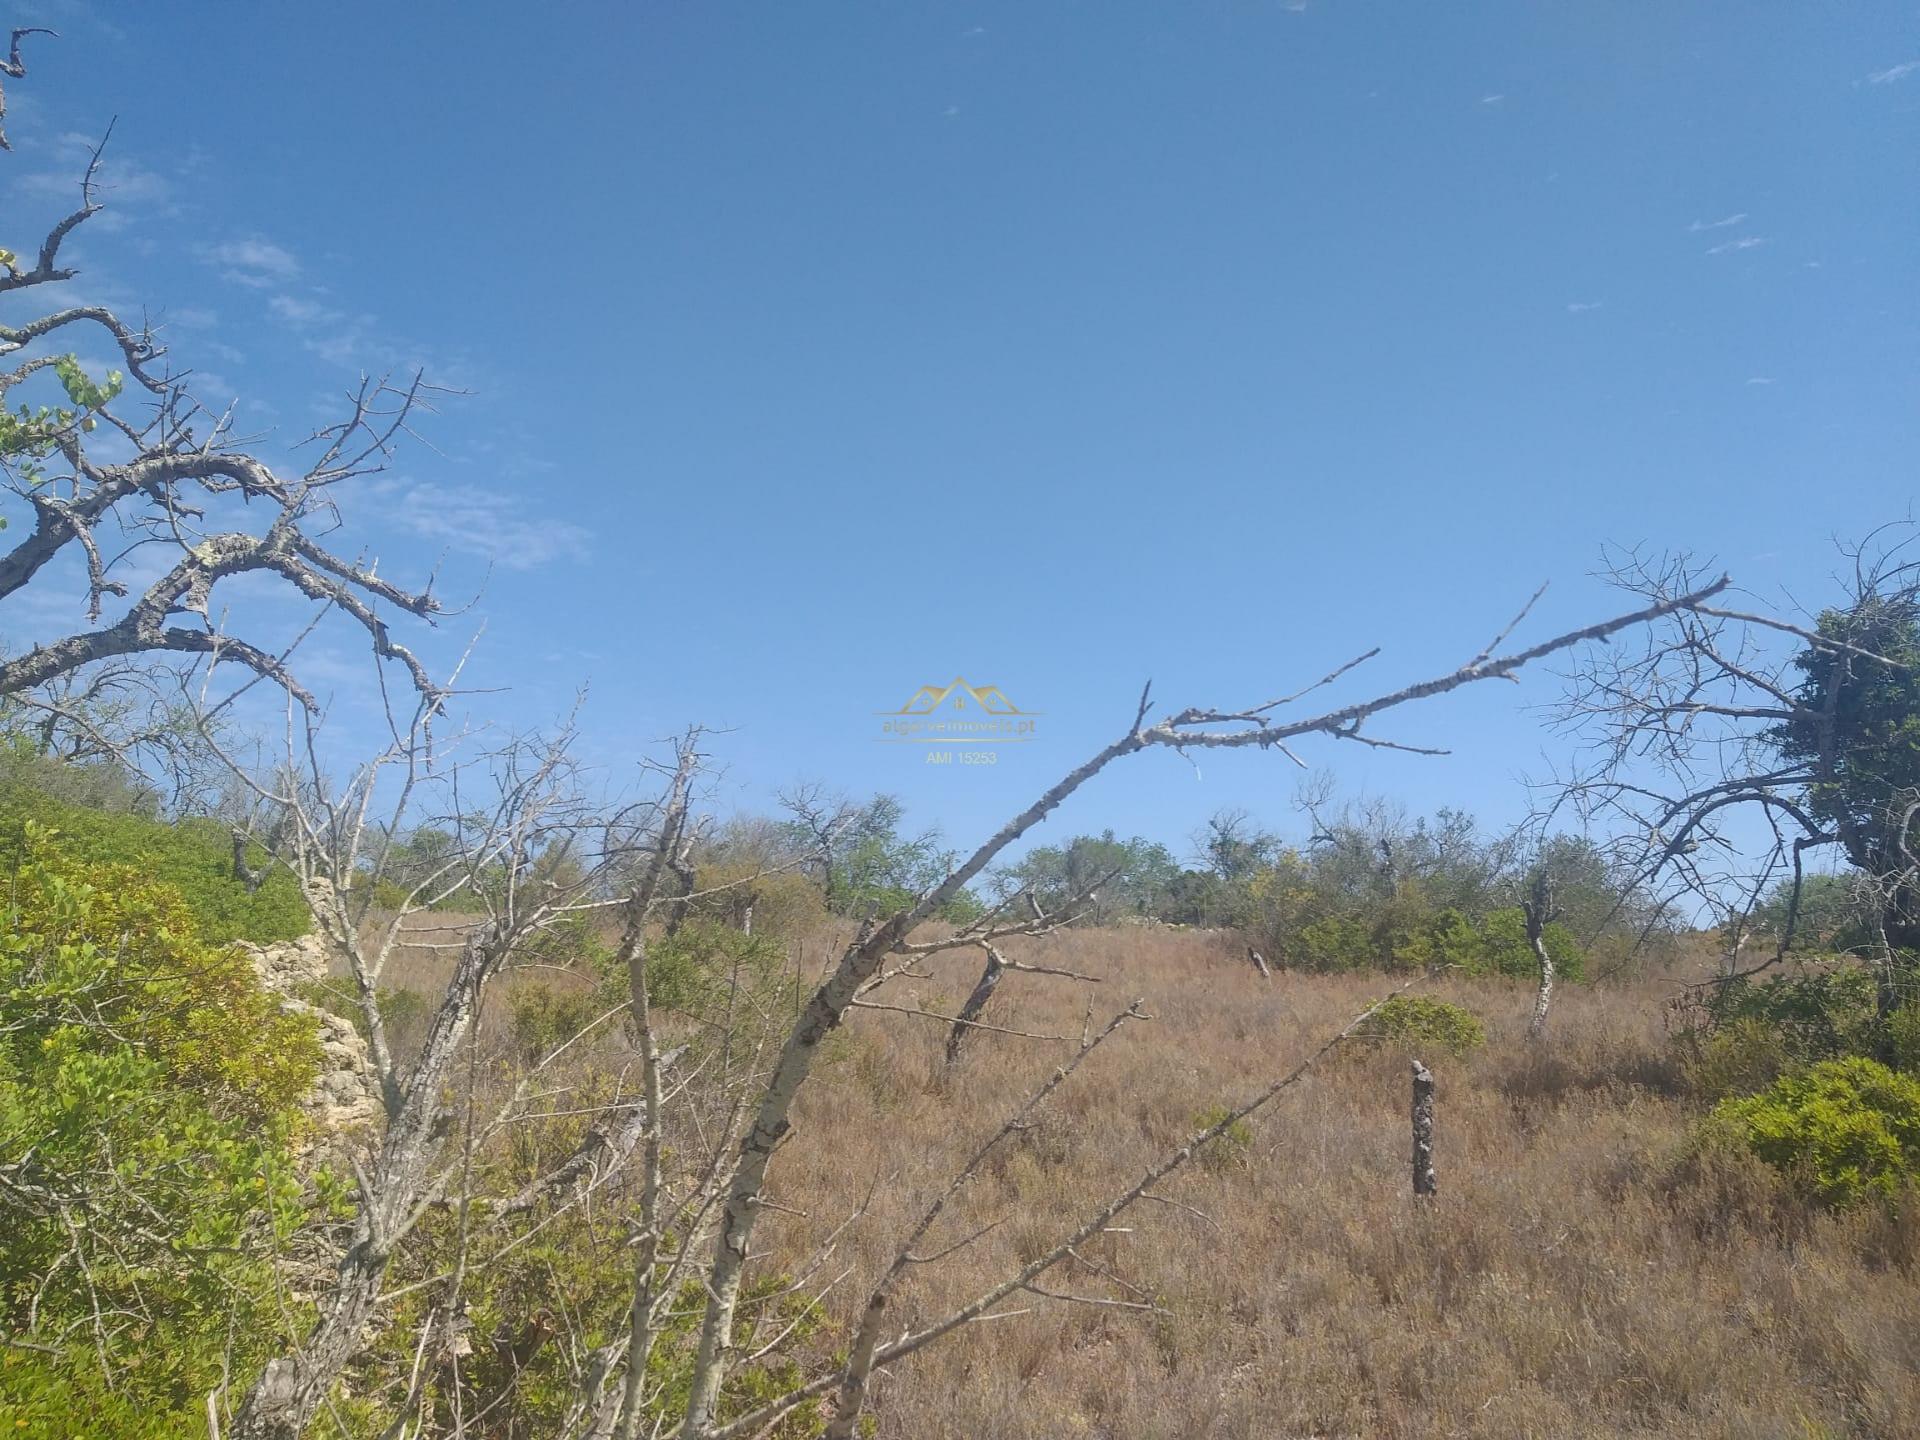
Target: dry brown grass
(1574,1277)
(1570,1281)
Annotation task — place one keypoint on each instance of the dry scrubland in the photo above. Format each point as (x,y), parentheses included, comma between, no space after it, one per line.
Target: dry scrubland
(1576,1277)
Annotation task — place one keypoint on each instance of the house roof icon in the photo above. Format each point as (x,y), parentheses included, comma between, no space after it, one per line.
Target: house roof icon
(929,699)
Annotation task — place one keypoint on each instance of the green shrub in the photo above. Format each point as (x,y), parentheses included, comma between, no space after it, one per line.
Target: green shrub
(1744,1036)
(1501,948)
(786,905)
(193,858)
(1401,936)
(1903,1038)
(1231,1147)
(1739,1057)
(150,1086)
(1339,942)
(1414,1021)
(1844,1130)
(575,940)
(577,1255)
(1820,1015)
(97,786)
(400,1010)
(546,1016)
(704,962)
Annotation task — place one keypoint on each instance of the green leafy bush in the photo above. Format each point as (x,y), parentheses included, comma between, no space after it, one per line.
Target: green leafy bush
(704,962)
(1501,947)
(1405,936)
(1232,1146)
(1903,1038)
(1845,1130)
(147,1096)
(193,858)
(1737,1057)
(24,763)
(1412,1021)
(403,1012)
(546,1016)
(576,1254)
(1338,942)
(1744,1036)
(1820,1015)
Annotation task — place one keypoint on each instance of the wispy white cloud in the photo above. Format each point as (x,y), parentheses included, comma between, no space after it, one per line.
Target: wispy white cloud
(1494,99)
(487,523)
(1760,380)
(213,388)
(42,611)
(298,310)
(1893,73)
(359,340)
(337,336)
(1581,307)
(1745,242)
(218,349)
(254,261)
(354,344)
(1697,226)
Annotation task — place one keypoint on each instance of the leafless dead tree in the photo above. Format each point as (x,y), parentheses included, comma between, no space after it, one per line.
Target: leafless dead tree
(525,854)
(968,1020)
(822,816)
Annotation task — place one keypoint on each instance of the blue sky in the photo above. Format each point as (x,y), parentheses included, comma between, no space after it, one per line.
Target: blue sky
(816,353)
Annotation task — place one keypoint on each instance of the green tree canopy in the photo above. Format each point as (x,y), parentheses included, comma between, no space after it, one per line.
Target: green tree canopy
(1856,727)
